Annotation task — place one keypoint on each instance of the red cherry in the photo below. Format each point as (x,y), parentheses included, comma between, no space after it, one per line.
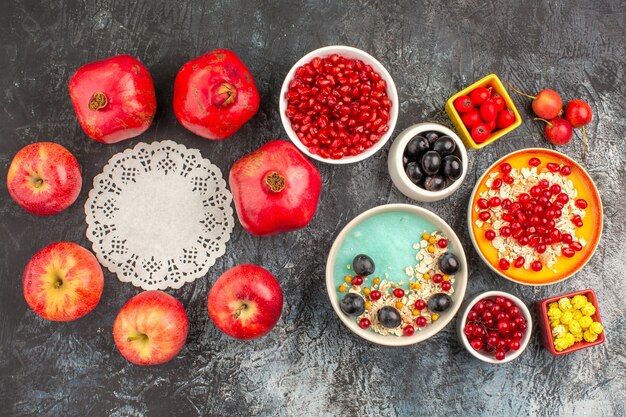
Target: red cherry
(408,330)
(375,295)
(505,118)
(558,131)
(463,104)
(471,118)
(479,95)
(364,323)
(578,113)
(398,292)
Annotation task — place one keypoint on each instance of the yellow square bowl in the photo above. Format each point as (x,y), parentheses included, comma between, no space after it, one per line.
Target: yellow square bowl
(494,82)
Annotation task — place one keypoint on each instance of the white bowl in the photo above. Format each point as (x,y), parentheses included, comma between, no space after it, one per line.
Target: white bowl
(396,167)
(351,53)
(489,357)
(459,286)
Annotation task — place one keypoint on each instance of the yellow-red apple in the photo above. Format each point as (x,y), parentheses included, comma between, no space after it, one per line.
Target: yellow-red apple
(63,282)
(245,302)
(151,328)
(44,178)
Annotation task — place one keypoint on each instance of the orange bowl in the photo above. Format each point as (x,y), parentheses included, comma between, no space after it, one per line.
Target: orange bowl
(590,231)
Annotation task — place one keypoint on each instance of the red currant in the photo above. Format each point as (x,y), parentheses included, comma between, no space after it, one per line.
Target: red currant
(437,278)
(364,323)
(446,286)
(503,326)
(398,292)
(476,343)
(442,243)
(515,345)
(420,304)
(408,330)
(514,311)
(468,329)
(500,355)
(357,280)
(420,321)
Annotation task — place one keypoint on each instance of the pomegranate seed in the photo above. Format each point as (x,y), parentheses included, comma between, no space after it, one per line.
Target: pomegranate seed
(568,252)
(555,189)
(504,264)
(566,170)
(535,191)
(536,266)
(506,204)
(505,168)
(508,179)
(482,203)
(566,238)
(535,162)
(577,221)
(581,203)
(484,215)
(543,183)
(495,202)
(576,246)
(490,235)
(519,262)
(505,231)
(497,183)
(552,167)
(541,248)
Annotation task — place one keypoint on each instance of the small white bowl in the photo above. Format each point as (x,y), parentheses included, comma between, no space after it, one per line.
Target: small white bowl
(351,53)
(487,356)
(396,167)
(459,286)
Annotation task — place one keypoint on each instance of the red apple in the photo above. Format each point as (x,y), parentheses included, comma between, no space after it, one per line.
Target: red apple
(113,98)
(245,302)
(44,178)
(63,282)
(151,328)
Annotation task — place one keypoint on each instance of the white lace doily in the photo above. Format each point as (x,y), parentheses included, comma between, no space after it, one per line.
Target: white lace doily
(159,215)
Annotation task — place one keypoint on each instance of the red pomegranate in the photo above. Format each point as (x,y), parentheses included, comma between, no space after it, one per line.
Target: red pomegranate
(215,94)
(275,189)
(113,98)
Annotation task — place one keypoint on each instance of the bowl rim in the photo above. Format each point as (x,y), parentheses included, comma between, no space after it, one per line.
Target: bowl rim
(402,140)
(483,356)
(392,93)
(542,318)
(460,284)
(493,78)
(473,195)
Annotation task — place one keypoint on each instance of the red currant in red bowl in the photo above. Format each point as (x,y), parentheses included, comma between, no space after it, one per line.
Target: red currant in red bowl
(495,327)
(338,105)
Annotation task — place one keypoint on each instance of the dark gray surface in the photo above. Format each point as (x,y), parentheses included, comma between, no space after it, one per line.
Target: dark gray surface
(310,364)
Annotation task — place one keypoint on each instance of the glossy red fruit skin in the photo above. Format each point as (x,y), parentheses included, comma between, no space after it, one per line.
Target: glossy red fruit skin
(559,131)
(463,104)
(505,118)
(215,94)
(479,95)
(130,103)
(547,104)
(480,133)
(578,113)
(267,205)
(471,118)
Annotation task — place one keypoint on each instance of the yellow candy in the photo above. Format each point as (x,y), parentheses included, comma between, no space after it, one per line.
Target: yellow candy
(366,291)
(434,316)
(376,281)
(575,328)
(565,304)
(596,327)
(425,236)
(590,336)
(567,317)
(559,331)
(554,313)
(588,309)
(585,322)
(579,301)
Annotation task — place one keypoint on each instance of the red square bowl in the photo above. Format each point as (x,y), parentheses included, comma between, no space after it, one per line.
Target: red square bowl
(544,322)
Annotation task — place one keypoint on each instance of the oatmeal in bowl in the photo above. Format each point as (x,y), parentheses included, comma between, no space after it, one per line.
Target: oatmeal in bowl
(535,217)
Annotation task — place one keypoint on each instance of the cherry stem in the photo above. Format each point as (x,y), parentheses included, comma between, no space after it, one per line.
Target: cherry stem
(543,120)
(98,101)
(140,336)
(239,310)
(226,94)
(519,92)
(275,182)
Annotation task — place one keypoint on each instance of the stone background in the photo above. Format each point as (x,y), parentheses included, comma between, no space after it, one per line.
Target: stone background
(310,364)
